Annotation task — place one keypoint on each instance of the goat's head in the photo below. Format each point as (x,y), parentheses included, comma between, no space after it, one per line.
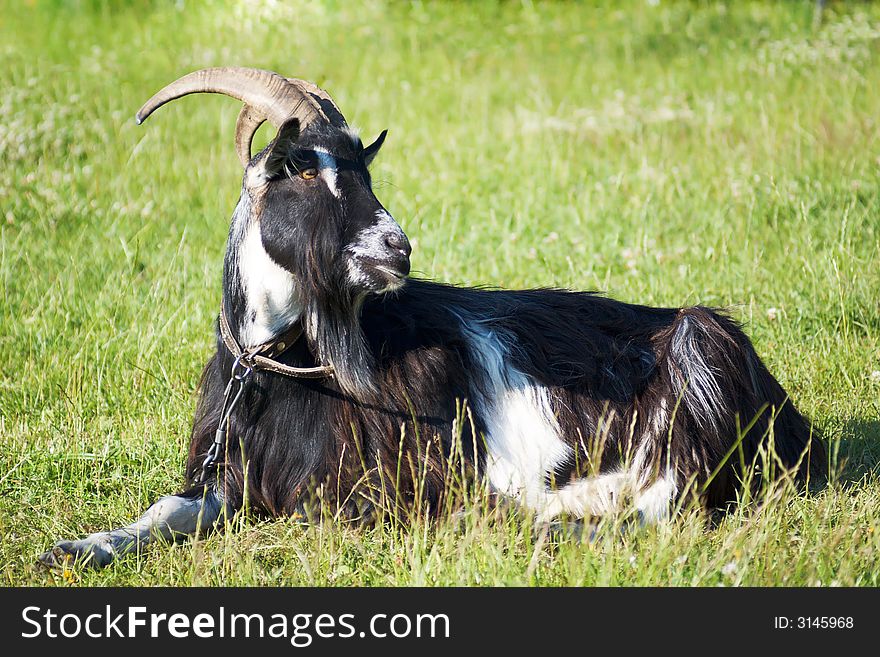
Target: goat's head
(318,215)
(309,239)
(309,189)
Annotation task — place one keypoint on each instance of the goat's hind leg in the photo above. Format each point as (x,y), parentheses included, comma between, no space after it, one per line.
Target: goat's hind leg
(575,511)
(171,518)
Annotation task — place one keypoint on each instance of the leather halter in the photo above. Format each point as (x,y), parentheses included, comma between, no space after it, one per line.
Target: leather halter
(262,356)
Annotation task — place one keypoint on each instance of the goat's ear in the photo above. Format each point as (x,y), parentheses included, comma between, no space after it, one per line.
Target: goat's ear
(372,150)
(276,152)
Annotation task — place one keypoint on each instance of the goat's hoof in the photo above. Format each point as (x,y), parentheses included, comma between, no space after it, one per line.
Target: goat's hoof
(66,554)
(55,559)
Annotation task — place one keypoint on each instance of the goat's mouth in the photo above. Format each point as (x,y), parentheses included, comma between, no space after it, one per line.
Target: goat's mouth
(392,274)
(379,275)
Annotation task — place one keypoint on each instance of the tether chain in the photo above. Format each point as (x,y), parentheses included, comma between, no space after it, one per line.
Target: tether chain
(217,447)
(246,362)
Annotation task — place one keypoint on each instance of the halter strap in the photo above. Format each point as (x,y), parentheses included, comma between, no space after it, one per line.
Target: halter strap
(262,356)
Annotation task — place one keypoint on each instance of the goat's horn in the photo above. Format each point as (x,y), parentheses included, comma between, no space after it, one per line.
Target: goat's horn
(328,107)
(267,97)
(245,128)
(249,120)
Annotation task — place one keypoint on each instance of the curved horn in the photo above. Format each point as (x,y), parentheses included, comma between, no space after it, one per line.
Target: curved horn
(267,97)
(249,119)
(246,126)
(323,99)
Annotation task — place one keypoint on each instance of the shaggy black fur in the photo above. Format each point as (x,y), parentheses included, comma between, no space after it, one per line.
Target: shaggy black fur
(666,389)
(605,363)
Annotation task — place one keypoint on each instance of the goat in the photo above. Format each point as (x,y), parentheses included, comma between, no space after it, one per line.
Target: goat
(335,376)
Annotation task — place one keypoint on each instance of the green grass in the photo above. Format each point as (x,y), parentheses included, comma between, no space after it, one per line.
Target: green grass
(671,154)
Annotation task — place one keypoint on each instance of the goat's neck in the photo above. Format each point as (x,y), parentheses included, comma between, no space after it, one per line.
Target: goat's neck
(261,301)
(335,329)
(259,296)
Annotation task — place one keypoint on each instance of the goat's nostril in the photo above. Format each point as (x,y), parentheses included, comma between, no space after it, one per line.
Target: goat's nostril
(398,242)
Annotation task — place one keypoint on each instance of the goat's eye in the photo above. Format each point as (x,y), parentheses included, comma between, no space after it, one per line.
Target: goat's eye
(308,174)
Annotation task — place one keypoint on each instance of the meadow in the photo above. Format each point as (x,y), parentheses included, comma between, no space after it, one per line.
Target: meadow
(665,153)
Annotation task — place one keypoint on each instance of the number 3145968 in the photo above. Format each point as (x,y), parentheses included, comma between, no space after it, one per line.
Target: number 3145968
(824,622)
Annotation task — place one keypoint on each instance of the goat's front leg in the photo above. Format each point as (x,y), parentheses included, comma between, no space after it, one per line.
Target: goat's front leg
(173,517)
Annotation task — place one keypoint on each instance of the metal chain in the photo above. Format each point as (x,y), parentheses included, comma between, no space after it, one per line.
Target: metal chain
(242,369)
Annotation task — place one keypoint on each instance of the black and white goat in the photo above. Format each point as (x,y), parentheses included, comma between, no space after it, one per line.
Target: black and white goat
(566,403)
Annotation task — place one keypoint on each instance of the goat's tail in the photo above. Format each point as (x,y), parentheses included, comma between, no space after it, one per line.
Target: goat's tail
(732,420)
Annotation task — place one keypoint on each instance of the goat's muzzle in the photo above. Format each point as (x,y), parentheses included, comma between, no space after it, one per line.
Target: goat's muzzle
(380,255)
(399,250)
(393,267)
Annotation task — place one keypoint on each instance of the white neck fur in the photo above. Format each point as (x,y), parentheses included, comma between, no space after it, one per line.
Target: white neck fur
(269,289)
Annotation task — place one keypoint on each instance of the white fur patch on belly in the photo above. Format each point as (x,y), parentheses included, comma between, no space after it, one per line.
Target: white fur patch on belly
(522,434)
(524,445)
